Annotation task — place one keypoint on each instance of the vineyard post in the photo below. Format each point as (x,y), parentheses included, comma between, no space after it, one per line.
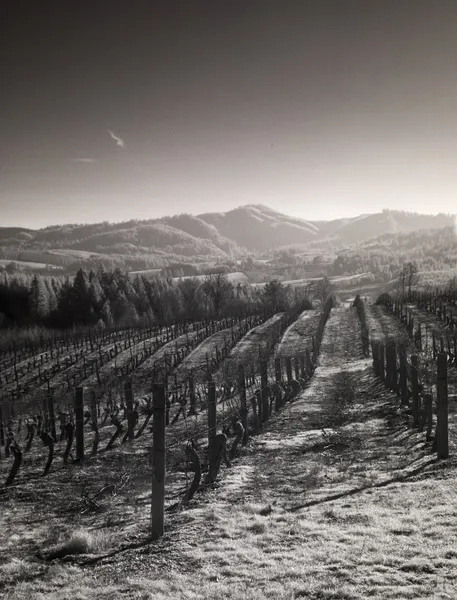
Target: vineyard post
(415,389)
(442,432)
(278,375)
(243,402)
(428,415)
(309,364)
(158,462)
(374,352)
(52,417)
(128,394)
(192,396)
(381,354)
(289,369)
(79,421)
(265,391)
(302,366)
(388,363)
(391,361)
(212,415)
(297,368)
(45,409)
(403,375)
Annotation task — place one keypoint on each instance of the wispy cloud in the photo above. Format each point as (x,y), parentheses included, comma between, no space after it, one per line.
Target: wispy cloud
(83,160)
(119,142)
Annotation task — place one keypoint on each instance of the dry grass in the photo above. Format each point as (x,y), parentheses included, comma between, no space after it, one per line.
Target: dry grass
(81,542)
(296,516)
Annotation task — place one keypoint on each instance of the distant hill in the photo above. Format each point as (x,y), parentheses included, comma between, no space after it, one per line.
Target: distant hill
(257,227)
(365,227)
(185,238)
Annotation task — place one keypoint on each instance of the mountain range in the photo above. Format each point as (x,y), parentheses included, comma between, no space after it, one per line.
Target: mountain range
(251,229)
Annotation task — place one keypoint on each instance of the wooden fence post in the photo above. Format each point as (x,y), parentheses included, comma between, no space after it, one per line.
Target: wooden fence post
(212,419)
(44,410)
(289,369)
(278,374)
(264,391)
(79,422)
(428,415)
(158,462)
(415,389)
(442,432)
(375,354)
(128,393)
(52,417)
(297,368)
(302,366)
(391,365)
(192,396)
(403,375)
(381,354)
(243,403)
(309,363)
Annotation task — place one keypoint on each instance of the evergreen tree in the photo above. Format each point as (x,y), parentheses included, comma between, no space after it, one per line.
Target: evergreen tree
(107,315)
(38,299)
(81,301)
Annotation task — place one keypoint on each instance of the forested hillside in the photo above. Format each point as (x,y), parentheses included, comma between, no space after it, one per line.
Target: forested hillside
(157,243)
(431,250)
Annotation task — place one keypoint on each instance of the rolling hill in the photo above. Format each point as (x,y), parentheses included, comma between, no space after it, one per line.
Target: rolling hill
(187,238)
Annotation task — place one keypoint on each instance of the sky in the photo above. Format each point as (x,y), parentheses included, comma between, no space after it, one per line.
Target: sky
(319,109)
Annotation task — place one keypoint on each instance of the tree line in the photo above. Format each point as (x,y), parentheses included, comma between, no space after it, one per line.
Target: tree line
(105,298)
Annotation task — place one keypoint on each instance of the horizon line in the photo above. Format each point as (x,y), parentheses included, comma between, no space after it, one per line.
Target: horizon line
(165,216)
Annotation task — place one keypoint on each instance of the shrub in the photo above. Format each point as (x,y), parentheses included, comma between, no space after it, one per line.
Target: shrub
(80,542)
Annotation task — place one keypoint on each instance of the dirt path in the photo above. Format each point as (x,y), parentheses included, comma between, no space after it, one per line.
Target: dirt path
(315,508)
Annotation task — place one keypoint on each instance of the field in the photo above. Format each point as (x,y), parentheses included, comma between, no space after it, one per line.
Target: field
(29,264)
(338,281)
(335,497)
(235,277)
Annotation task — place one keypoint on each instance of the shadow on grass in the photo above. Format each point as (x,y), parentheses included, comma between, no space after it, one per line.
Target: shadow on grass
(353,492)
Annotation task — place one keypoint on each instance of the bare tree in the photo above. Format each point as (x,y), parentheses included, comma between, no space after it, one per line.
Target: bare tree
(218,290)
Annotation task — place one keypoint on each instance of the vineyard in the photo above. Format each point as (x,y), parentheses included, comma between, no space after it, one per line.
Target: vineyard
(272,413)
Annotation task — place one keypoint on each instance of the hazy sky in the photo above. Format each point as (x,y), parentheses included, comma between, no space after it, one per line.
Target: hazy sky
(316,108)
